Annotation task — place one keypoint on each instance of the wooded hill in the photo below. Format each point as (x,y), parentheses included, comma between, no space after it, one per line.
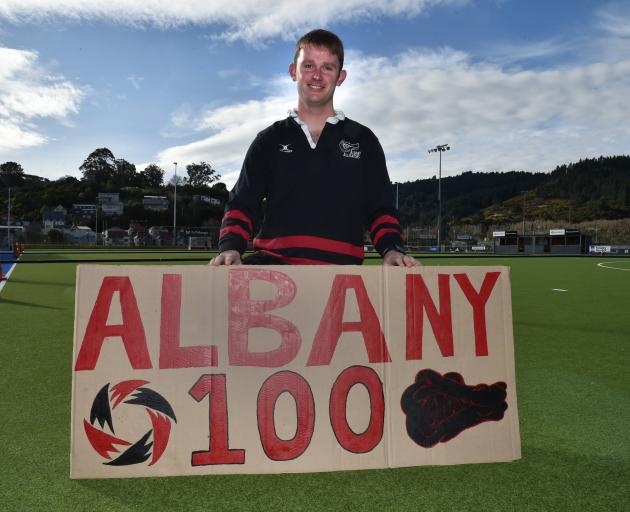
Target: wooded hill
(32,195)
(590,189)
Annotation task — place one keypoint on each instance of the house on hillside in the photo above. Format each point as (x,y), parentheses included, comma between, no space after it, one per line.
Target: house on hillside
(84,211)
(110,203)
(155,203)
(54,219)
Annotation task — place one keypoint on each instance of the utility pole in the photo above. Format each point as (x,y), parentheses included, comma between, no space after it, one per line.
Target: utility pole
(439,149)
(96,226)
(523,192)
(175,206)
(9,221)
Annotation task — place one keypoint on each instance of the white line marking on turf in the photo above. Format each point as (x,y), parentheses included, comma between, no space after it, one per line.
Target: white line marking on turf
(602,265)
(6,277)
(558,290)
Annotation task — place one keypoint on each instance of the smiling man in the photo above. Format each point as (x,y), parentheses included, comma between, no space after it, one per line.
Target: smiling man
(315,181)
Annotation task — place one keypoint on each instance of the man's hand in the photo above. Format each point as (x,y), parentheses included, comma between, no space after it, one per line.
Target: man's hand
(226,258)
(397,259)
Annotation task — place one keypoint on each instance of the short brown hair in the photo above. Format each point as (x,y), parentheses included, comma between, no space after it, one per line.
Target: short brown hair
(321,37)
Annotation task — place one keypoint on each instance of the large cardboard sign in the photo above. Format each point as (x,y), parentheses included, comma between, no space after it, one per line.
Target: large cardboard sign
(188,370)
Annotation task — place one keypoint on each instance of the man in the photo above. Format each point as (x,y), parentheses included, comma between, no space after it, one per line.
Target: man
(317,179)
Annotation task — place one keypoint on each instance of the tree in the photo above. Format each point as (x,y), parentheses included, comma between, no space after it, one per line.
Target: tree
(152,176)
(179,180)
(201,174)
(99,167)
(11,174)
(126,175)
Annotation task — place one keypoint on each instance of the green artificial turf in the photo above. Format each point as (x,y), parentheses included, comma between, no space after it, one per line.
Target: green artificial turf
(572,359)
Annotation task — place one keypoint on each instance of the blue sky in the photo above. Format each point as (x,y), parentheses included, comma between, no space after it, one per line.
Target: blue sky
(510,84)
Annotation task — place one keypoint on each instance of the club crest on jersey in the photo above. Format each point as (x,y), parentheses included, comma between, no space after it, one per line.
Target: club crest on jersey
(349,149)
(286,148)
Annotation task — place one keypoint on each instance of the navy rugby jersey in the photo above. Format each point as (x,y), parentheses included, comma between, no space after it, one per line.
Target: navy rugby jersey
(318,202)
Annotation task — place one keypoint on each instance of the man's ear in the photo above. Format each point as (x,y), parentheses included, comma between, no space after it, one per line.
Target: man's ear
(292,72)
(342,77)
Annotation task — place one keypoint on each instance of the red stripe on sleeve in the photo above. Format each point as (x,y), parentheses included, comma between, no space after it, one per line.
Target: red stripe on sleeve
(383,219)
(382,232)
(235,229)
(239,215)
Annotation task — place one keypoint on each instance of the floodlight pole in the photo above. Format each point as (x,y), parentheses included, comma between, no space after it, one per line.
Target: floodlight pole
(175,206)
(9,221)
(439,149)
(523,191)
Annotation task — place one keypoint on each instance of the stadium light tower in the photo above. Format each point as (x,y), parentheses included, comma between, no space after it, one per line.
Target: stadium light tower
(523,192)
(440,148)
(175,205)
(9,221)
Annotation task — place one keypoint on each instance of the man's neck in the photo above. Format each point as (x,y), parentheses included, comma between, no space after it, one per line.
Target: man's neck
(315,115)
(315,118)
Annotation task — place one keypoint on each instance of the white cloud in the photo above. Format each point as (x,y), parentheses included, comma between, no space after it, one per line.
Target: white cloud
(507,53)
(614,18)
(495,118)
(248,20)
(136,81)
(613,41)
(181,116)
(28,94)
(13,136)
(233,127)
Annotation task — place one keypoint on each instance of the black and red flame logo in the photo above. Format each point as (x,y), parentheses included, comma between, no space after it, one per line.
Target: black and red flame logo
(440,407)
(129,393)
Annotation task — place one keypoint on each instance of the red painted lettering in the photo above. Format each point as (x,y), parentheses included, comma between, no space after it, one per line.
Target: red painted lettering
(478,302)
(131,331)
(332,325)
(172,355)
(299,389)
(219,451)
(419,300)
(347,438)
(245,314)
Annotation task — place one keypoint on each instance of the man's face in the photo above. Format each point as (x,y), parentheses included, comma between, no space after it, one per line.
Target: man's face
(317,74)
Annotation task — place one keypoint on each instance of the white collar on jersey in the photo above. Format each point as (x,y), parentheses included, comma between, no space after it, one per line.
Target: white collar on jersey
(339,116)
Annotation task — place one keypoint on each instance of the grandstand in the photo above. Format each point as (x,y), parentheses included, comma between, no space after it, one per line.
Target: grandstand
(556,241)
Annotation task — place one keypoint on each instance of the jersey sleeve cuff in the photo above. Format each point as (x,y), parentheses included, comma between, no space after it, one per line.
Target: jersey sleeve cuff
(390,242)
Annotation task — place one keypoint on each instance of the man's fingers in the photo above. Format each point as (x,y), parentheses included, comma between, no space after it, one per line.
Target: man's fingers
(226,258)
(398,259)
(410,261)
(233,259)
